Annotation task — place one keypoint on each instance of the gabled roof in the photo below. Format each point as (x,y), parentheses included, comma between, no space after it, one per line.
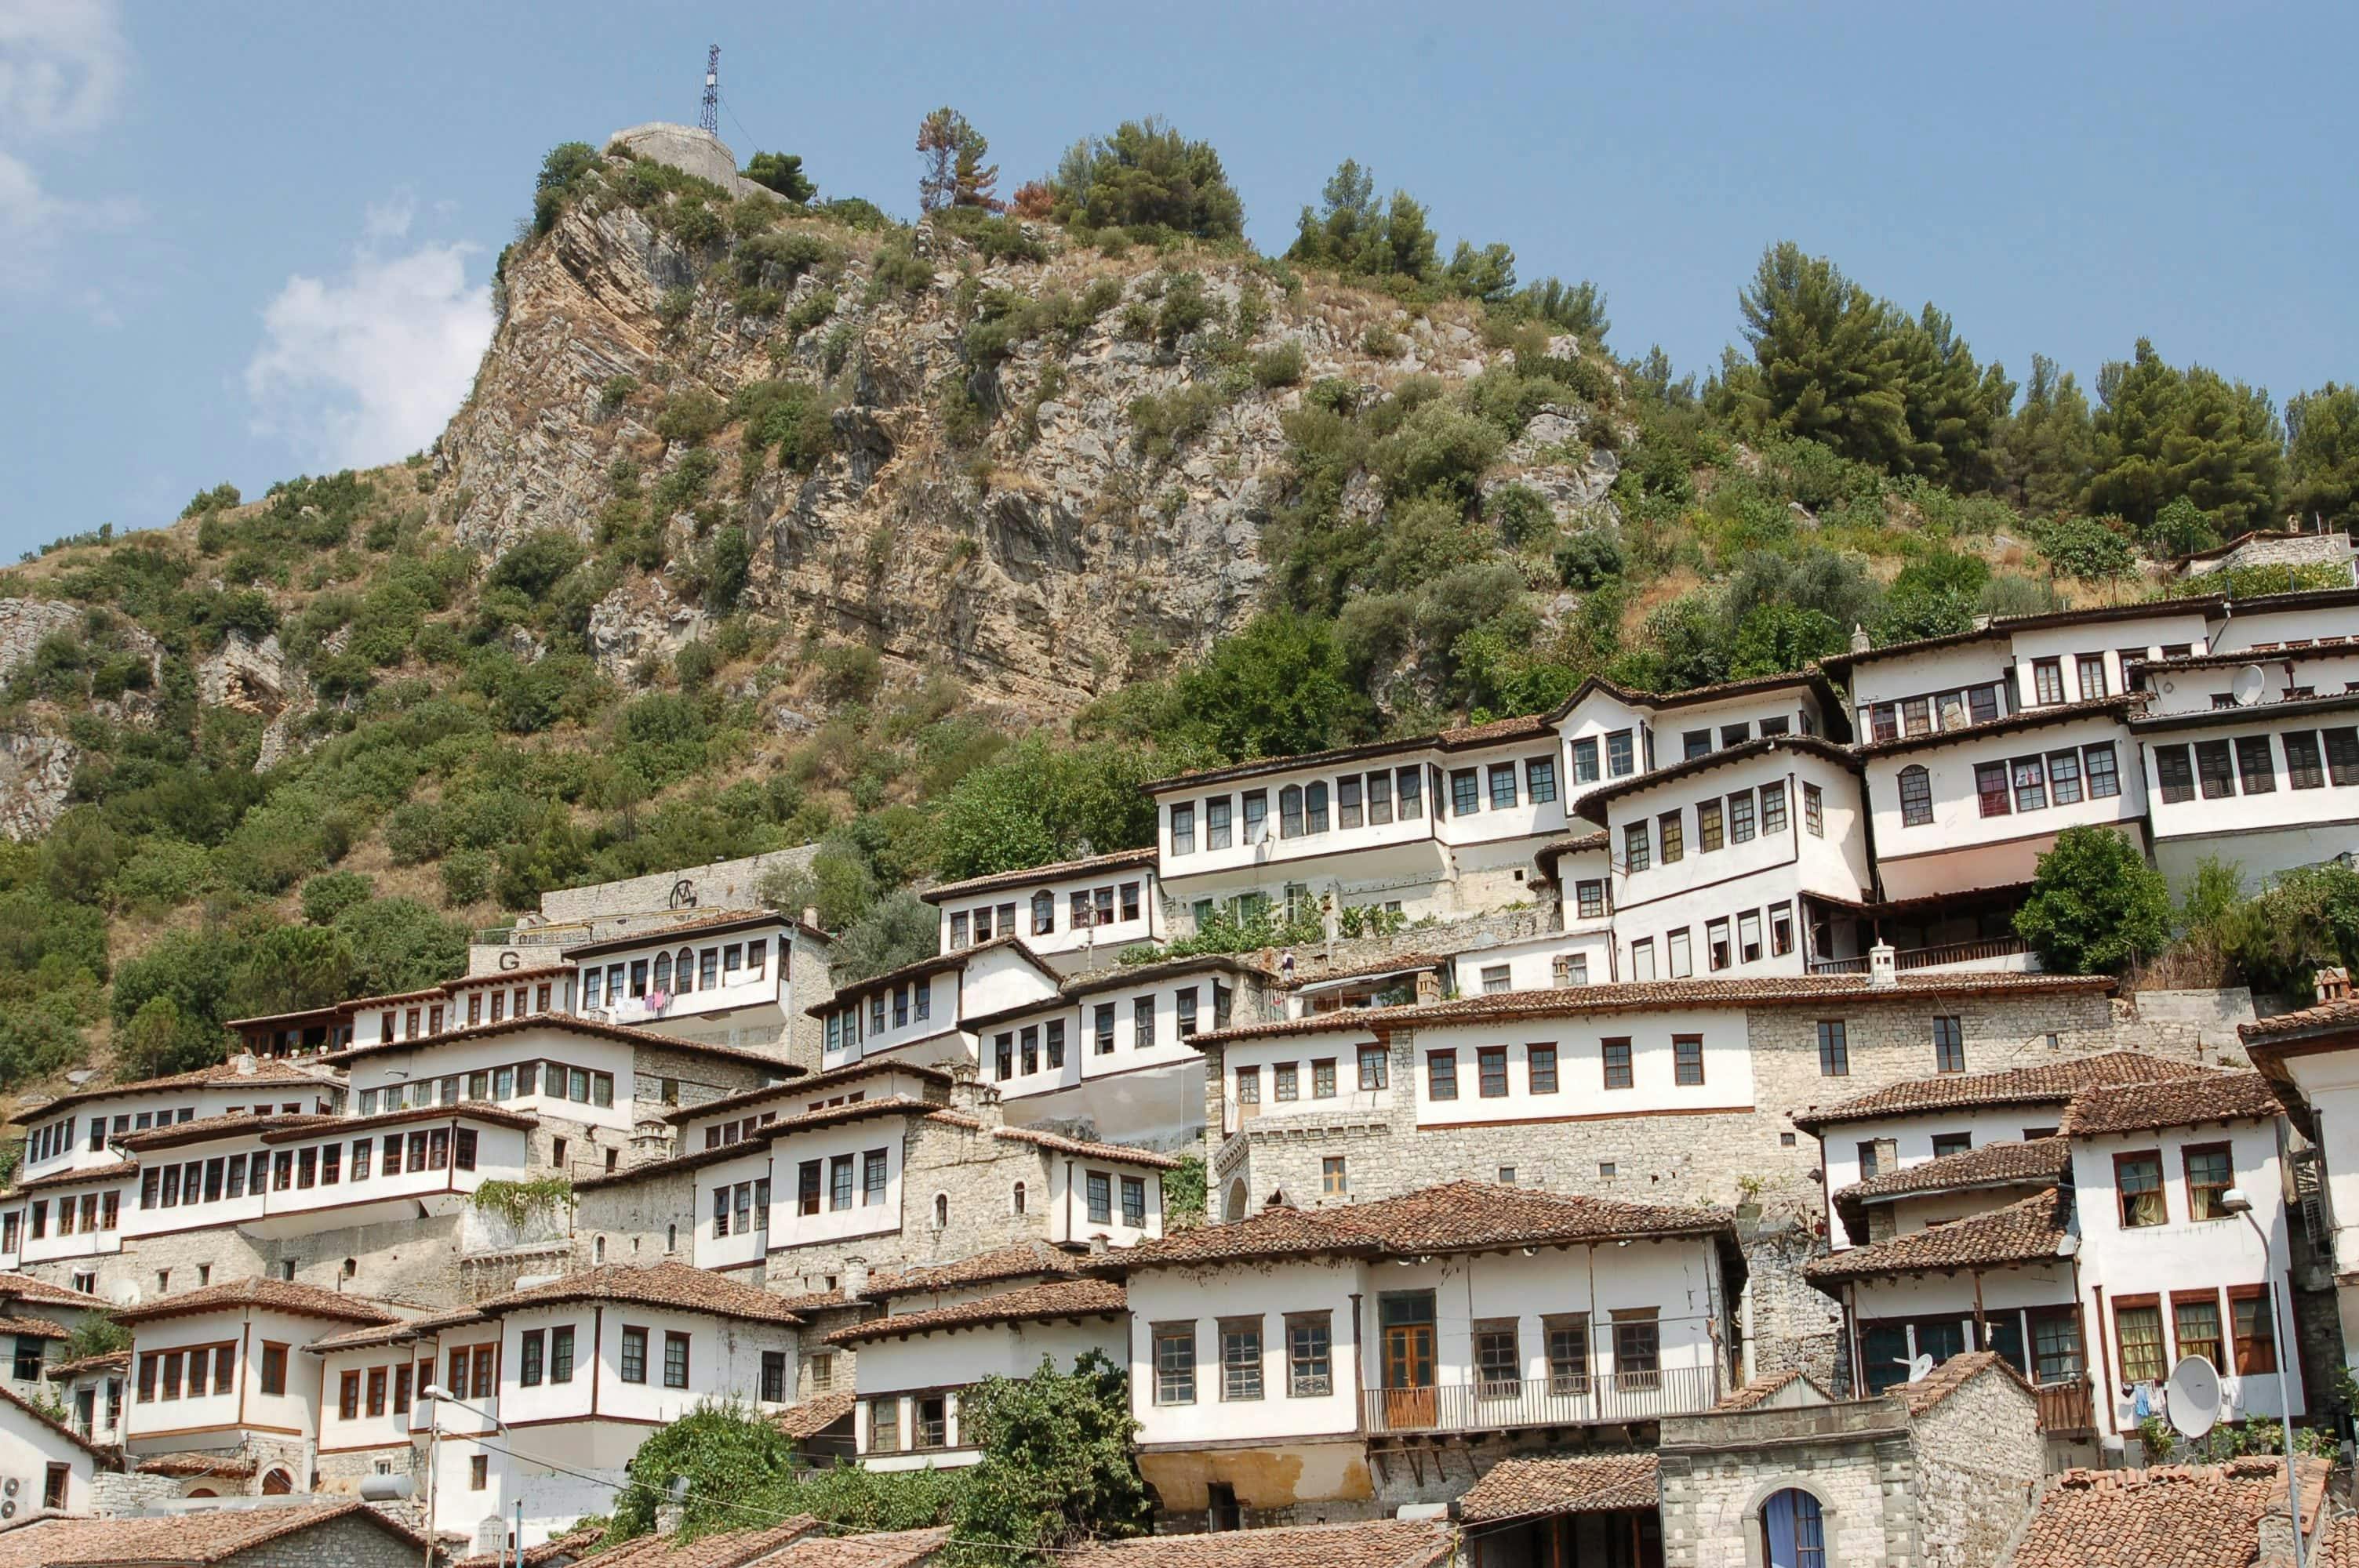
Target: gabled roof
(2170,1516)
(1044,1302)
(2041,1162)
(1761,1389)
(1593,805)
(395,1332)
(801,1542)
(1950,1376)
(67,1541)
(1120,859)
(31,1291)
(1640,996)
(674,1285)
(257,1292)
(223,1075)
(2177,1102)
(2043,1083)
(2030,1231)
(1019,1262)
(1371,1544)
(1456,1217)
(230,1124)
(1057,1144)
(1586,1484)
(2003,626)
(2283,710)
(806,1420)
(2328,1018)
(113,1171)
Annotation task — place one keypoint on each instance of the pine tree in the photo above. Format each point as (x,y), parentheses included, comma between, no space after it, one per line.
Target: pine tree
(2044,455)
(955,174)
(2322,461)
(1826,362)
(2163,434)
(1954,406)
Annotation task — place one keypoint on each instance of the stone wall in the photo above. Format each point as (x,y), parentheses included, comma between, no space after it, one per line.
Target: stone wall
(1979,1463)
(115,1493)
(2212,1014)
(718,885)
(1855,1458)
(347,1543)
(1756,1158)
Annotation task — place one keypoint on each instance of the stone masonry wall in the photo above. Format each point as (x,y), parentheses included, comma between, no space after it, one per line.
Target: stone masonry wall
(346,1542)
(1979,1463)
(1855,1458)
(1755,1157)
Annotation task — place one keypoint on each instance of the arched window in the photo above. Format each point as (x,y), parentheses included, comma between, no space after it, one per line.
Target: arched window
(1289,812)
(685,967)
(1794,1530)
(1020,1197)
(1916,797)
(598,1250)
(663,971)
(351,1267)
(671,1237)
(941,1211)
(1235,1209)
(1044,913)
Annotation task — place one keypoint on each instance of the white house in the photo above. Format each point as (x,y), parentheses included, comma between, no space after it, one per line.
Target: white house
(916,1012)
(1274,1358)
(1074,915)
(45,1466)
(2311,1058)
(741,978)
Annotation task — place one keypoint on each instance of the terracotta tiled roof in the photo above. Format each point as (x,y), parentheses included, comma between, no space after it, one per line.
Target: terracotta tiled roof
(31,1291)
(33,1327)
(389,1333)
(2180,1102)
(269,1295)
(113,1170)
(2045,1083)
(802,1541)
(1761,1389)
(176,1539)
(2326,1015)
(2026,1232)
(813,1416)
(1950,1376)
(816,1083)
(59,1428)
(2000,626)
(1124,975)
(231,1124)
(2041,1160)
(1373,1543)
(2338,1545)
(659,1285)
(1593,805)
(503,977)
(224,1075)
(1117,861)
(1404,964)
(1456,1217)
(1116,1153)
(1024,1258)
(112,1361)
(567,1023)
(1033,1303)
(1590,1483)
(1639,996)
(2178,1516)
(186,1465)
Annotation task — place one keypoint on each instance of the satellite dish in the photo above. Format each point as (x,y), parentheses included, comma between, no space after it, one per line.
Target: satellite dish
(2195,1396)
(1921,1369)
(2251,682)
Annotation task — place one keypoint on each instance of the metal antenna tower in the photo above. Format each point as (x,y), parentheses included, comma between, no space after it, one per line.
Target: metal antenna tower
(710,116)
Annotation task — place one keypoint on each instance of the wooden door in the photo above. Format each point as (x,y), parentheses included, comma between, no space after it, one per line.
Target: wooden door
(1408,1376)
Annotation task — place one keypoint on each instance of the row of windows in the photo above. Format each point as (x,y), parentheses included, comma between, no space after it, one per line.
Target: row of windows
(1089,908)
(384,1383)
(1739,821)
(282,1169)
(904,1004)
(728,963)
(1620,758)
(833,1178)
(1286,1078)
(544,1351)
(1935,711)
(420,1022)
(634,1361)
(1441,1067)
(2023,784)
(738,1131)
(93,1212)
(1097,1190)
(1375,799)
(49,1142)
(1041,1046)
(1694,744)
(929,1425)
(1729,940)
(520,1001)
(525,1080)
(200,1370)
(99,1129)
(748,1203)
(2196,1325)
(2220,767)
(2139,1191)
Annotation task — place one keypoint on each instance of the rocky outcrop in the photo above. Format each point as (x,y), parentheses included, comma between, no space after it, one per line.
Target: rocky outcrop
(1039,559)
(249,676)
(26,623)
(36,770)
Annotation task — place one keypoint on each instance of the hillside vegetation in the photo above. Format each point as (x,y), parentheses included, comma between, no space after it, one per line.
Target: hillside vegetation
(772,519)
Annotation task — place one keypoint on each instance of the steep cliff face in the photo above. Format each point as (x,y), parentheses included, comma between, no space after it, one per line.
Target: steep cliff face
(1007,518)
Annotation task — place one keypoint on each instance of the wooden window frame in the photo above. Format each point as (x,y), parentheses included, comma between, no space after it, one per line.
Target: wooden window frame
(2150,1301)
(2220,1327)
(2187,1171)
(2266,1296)
(2121,1195)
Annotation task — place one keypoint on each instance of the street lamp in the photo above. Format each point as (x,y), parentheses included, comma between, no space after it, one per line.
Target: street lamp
(2233,1200)
(441,1395)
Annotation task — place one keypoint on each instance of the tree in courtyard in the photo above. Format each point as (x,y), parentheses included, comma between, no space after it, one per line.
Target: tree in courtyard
(2096,907)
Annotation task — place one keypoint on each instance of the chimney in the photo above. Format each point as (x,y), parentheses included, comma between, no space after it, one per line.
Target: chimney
(1860,642)
(1883,971)
(2332,984)
(856,1278)
(810,916)
(244,1063)
(668,1518)
(1428,988)
(1097,1244)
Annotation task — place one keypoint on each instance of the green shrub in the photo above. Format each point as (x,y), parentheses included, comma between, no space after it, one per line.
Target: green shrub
(790,417)
(164,870)
(674,304)
(898,270)
(692,416)
(1161,424)
(1439,451)
(328,896)
(2095,906)
(1521,514)
(851,673)
(781,172)
(1380,341)
(1281,366)
(809,312)
(467,876)
(1184,308)
(2087,547)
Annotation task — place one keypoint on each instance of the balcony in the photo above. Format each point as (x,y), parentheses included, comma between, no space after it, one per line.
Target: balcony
(2065,1407)
(2007,953)
(1613,1397)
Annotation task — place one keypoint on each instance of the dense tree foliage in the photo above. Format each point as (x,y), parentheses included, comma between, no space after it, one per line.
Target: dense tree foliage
(2163,435)
(1147,176)
(2096,906)
(2322,457)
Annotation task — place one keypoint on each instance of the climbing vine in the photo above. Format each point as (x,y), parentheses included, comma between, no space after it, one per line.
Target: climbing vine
(516,1202)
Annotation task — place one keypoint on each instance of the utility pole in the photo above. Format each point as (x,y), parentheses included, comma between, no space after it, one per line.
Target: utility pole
(709,119)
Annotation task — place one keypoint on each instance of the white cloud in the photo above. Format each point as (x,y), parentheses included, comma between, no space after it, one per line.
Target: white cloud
(61,65)
(34,224)
(383,220)
(367,367)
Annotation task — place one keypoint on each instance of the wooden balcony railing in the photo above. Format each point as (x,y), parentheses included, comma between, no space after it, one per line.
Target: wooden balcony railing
(2065,1407)
(1543,1401)
(1929,957)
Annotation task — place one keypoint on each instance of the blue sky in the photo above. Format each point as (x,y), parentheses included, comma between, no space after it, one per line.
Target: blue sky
(244,243)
